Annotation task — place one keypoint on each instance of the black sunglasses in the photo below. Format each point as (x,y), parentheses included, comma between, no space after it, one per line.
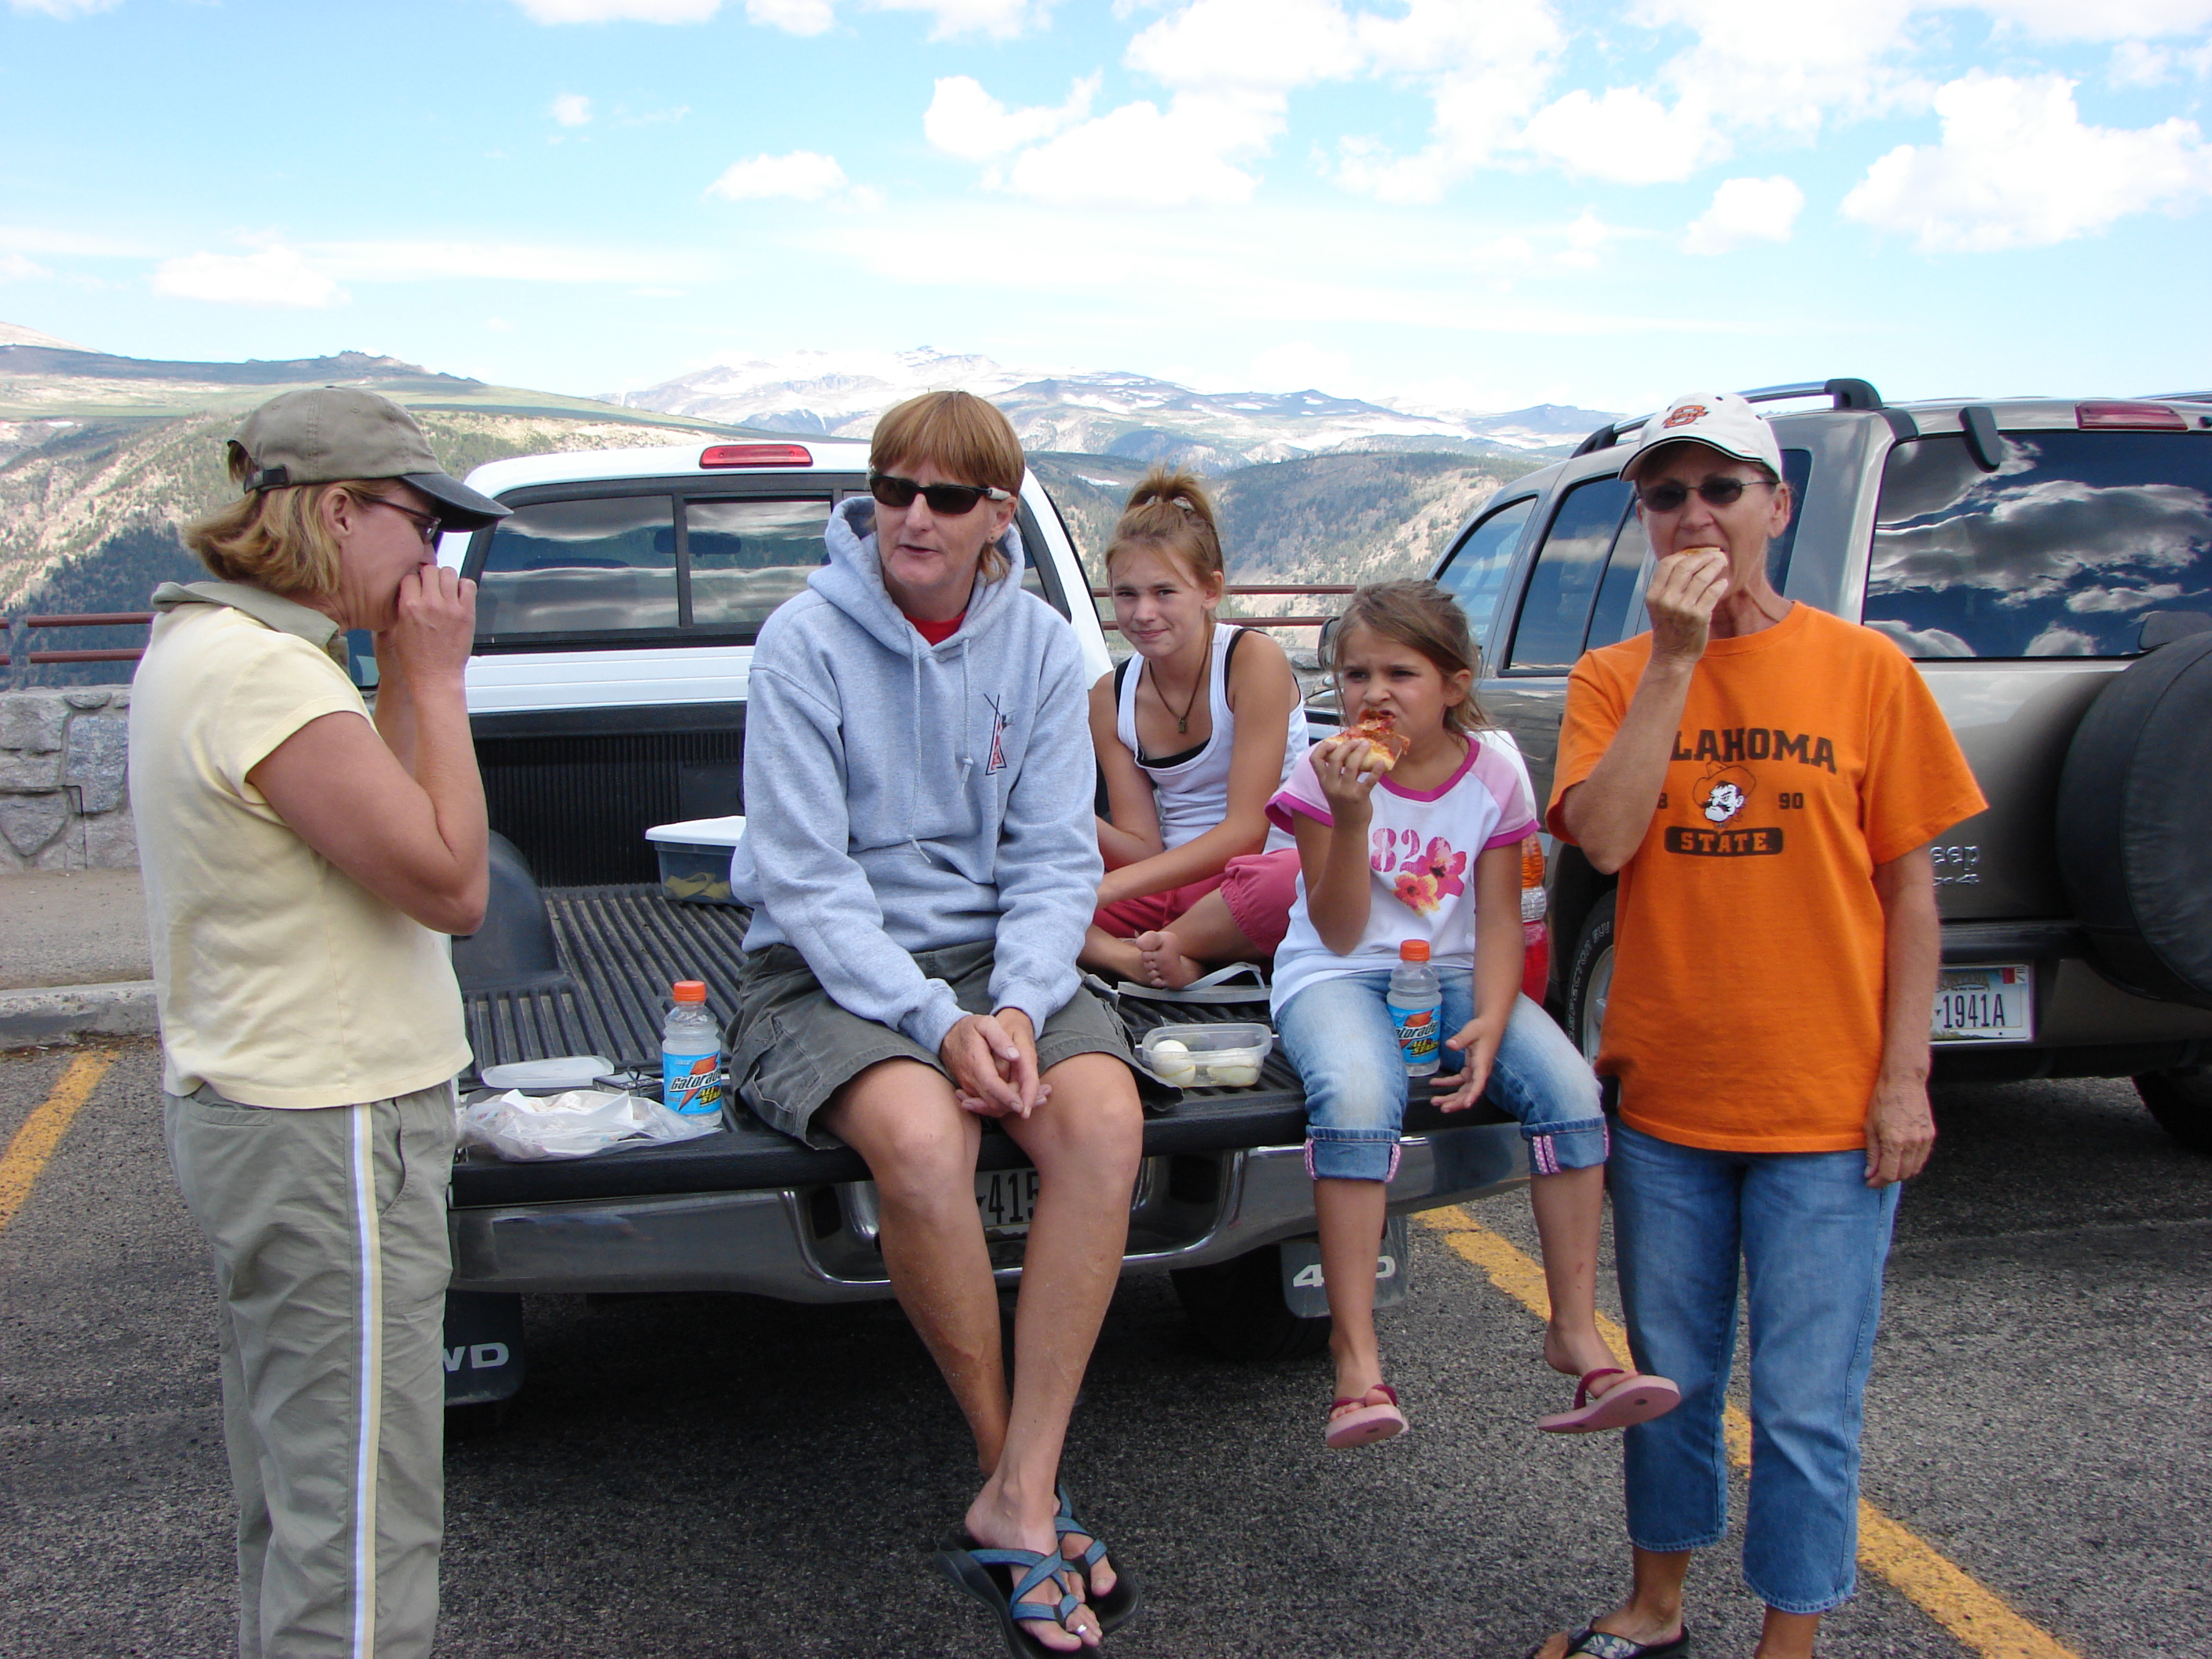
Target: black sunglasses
(1714,492)
(947,500)
(429,524)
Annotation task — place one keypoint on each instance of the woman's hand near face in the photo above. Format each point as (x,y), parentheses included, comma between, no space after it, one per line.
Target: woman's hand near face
(430,638)
(1685,589)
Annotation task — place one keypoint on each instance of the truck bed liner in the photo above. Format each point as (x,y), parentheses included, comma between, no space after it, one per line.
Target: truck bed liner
(622,946)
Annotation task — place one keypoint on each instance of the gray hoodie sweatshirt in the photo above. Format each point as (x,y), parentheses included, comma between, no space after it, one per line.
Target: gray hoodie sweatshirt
(901,796)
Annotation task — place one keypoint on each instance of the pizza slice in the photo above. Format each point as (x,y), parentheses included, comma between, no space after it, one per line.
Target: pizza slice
(1377,728)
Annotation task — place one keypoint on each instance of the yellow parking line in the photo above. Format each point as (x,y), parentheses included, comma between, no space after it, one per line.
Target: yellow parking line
(43,1130)
(1971,1611)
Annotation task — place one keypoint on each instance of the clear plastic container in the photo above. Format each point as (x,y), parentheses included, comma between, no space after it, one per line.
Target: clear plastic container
(1226,1055)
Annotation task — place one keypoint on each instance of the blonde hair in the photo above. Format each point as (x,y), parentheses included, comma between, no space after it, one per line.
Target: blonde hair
(960,433)
(1170,510)
(274,539)
(1421,616)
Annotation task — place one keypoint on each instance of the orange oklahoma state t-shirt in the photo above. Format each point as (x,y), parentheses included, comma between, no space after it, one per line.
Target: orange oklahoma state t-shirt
(1746,1009)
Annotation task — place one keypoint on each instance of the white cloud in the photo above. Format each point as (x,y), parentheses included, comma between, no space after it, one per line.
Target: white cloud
(2017,168)
(498,325)
(1485,64)
(2107,20)
(1299,366)
(792,17)
(572,109)
(1000,19)
(802,175)
(14,267)
(274,276)
(1746,210)
(1142,155)
(966,121)
(2137,63)
(619,11)
(62,8)
(1231,65)
(1248,46)
(1625,135)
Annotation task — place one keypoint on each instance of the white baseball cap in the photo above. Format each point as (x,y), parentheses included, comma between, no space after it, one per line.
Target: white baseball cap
(1718,420)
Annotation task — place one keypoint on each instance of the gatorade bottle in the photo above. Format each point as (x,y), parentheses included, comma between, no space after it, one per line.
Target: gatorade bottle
(690,1054)
(1416,1002)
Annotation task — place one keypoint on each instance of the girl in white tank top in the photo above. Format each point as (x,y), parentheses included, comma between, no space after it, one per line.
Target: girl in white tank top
(1193,735)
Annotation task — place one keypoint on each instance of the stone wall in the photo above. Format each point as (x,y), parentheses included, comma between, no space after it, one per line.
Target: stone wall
(64,803)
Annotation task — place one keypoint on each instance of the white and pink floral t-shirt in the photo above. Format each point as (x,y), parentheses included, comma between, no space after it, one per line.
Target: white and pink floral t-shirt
(1422,846)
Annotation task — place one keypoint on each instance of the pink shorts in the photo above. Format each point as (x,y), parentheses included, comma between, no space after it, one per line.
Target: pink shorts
(1259,888)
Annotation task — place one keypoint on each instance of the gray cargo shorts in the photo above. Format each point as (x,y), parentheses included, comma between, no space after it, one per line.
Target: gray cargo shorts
(792,1048)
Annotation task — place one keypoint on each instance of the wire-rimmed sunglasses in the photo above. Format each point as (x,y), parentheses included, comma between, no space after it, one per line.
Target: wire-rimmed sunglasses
(1669,497)
(947,501)
(428,525)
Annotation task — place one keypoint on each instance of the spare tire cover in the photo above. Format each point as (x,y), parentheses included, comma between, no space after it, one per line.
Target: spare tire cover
(2135,823)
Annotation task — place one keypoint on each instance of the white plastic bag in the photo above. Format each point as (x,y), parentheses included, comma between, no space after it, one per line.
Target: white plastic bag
(530,1129)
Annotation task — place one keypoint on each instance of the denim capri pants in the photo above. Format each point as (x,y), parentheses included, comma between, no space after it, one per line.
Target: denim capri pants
(1338,1032)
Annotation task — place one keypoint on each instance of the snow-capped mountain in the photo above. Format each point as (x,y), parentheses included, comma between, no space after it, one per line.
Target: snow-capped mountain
(841,394)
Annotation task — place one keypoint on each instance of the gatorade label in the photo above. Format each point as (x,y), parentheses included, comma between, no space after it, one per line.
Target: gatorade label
(691,1084)
(1418,1034)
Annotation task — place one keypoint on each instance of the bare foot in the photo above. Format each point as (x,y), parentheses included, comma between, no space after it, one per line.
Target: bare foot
(1164,963)
(1577,1359)
(1356,1402)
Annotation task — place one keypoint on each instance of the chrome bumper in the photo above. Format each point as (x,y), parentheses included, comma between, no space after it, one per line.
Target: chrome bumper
(793,1244)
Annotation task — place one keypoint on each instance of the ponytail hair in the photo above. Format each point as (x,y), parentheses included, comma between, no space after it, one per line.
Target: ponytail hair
(1421,616)
(1169,510)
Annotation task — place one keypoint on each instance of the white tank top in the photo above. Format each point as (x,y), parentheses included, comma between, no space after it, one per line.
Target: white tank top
(1190,791)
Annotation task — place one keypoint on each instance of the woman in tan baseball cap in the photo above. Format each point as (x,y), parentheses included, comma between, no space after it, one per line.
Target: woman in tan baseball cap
(302,859)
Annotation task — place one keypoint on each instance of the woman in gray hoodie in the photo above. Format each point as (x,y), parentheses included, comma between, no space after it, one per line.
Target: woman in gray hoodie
(921,861)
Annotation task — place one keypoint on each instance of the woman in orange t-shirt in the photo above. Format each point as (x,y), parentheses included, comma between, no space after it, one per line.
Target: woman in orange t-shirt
(1765,780)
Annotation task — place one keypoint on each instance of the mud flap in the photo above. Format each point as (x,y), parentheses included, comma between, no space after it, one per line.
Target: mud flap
(483,1351)
(1306,1295)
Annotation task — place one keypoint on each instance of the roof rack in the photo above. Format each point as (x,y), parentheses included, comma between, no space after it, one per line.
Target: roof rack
(1848,394)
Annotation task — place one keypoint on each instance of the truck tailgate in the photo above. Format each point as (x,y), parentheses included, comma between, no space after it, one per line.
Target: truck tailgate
(623,946)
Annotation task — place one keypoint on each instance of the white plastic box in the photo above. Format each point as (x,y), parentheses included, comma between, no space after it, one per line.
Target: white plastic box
(695,858)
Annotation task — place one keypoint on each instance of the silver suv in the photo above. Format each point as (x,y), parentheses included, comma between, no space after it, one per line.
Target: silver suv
(2048,563)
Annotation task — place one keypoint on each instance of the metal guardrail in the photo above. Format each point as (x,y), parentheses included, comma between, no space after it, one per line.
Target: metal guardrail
(14,631)
(1304,589)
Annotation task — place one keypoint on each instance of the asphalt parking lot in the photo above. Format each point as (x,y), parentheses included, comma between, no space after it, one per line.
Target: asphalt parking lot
(695,1475)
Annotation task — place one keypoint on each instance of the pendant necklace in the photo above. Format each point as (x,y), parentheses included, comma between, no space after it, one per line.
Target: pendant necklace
(1183,720)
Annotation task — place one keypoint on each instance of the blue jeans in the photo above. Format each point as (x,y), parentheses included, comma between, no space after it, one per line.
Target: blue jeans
(1812,1237)
(1338,1033)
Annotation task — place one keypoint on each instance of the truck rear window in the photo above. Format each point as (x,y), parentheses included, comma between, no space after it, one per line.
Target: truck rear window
(2062,552)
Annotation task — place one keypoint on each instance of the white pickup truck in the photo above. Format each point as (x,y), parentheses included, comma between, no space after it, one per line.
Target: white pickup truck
(616,610)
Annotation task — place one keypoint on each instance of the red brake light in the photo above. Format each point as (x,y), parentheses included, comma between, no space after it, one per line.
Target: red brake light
(2130,417)
(757,455)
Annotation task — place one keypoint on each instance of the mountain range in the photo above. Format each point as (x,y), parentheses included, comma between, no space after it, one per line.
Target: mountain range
(103,457)
(1134,416)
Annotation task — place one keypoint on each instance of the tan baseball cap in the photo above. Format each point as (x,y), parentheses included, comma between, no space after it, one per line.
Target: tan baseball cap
(1719,420)
(324,434)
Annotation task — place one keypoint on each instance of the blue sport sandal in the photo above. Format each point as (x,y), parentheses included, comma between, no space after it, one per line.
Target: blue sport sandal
(1003,1580)
(1122,1603)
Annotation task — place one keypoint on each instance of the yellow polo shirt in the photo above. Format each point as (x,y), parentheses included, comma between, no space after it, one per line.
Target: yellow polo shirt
(281,980)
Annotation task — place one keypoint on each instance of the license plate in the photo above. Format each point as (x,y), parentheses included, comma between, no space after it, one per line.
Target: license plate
(1985,1004)
(1007,1199)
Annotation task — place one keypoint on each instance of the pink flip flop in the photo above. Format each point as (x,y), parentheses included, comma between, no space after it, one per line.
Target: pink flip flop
(1369,1424)
(1637,1400)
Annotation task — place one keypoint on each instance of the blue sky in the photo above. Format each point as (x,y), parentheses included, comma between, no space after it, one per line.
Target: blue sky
(1470,203)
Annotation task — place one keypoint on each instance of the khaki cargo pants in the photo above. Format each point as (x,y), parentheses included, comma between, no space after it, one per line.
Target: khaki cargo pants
(328,1232)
